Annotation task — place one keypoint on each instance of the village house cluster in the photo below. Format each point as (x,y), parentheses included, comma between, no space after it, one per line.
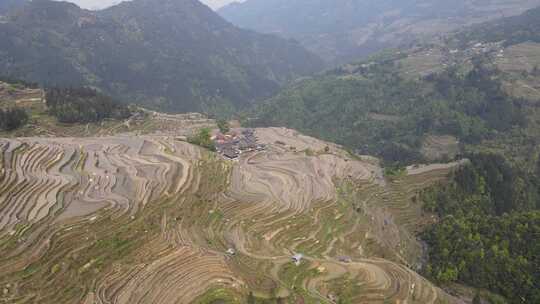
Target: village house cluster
(234,143)
(494,48)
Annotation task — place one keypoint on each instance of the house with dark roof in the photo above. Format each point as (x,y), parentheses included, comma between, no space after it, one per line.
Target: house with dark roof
(230,153)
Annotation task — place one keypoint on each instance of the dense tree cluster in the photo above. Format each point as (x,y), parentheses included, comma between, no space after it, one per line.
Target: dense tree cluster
(477,103)
(203,138)
(377,111)
(13,118)
(489,232)
(223,126)
(83,105)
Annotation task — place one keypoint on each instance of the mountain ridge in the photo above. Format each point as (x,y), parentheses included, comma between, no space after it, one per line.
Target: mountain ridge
(176,56)
(348,30)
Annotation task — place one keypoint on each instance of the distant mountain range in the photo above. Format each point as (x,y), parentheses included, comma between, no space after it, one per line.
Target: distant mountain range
(345,30)
(170,55)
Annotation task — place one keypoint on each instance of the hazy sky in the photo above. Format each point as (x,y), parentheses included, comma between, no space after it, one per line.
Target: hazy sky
(96,4)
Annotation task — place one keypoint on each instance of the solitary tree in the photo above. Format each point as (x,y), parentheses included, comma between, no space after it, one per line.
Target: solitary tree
(223,126)
(203,138)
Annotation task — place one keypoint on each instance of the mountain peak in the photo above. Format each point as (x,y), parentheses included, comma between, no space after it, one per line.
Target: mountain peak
(176,55)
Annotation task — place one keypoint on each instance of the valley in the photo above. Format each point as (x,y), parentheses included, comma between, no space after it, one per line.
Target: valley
(357,29)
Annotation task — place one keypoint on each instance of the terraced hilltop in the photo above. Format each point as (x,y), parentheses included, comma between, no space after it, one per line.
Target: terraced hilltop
(152,219)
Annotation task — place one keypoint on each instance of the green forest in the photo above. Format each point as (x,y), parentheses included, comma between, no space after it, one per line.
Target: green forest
(83,105)
(488,235)
(375,110)
(152,53)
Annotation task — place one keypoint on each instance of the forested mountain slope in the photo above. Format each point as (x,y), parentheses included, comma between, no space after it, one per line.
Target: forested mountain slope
(171,55)
(399,103)
(345,30)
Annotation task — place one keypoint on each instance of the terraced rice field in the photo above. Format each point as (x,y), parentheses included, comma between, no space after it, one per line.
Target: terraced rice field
(142,121)
(153,220)
(516,60)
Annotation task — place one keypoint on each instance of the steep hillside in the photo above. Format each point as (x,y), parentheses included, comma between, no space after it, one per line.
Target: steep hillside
(117,218)
(423,103)
(171,55)
(151,219)
(128,212)
(341,31)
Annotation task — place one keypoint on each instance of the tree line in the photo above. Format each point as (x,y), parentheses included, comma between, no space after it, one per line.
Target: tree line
(83,105)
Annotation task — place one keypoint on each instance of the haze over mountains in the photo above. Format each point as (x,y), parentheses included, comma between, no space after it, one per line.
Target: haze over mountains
(345,30)
(172,55)
(216,4)
(100,4)
(95,4)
